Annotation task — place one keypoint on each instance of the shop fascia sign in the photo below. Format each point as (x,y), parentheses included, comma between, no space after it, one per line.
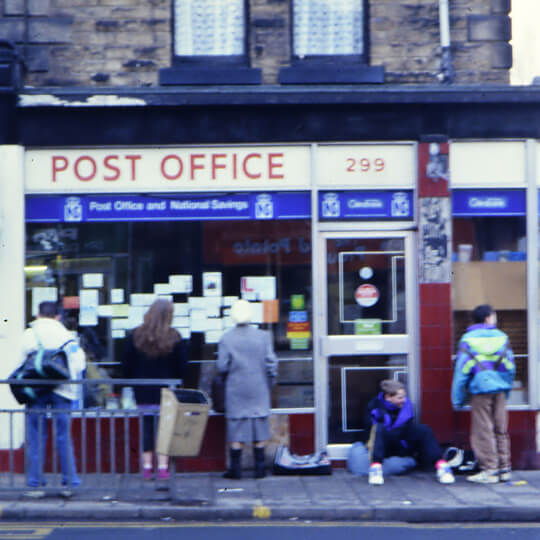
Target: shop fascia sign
(166,169)
(488,202)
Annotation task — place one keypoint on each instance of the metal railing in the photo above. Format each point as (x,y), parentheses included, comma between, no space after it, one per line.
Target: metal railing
(106,442)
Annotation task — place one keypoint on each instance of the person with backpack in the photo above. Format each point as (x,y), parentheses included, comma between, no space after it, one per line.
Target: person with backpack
(395,433)
(47,331)
(484,372)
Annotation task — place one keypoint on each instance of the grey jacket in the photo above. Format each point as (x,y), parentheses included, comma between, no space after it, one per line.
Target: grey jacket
(246,355)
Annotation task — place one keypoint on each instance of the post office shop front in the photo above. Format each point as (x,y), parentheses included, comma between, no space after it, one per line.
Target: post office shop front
(107,230)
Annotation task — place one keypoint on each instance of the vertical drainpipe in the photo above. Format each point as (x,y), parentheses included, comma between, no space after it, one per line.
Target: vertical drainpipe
(446,74)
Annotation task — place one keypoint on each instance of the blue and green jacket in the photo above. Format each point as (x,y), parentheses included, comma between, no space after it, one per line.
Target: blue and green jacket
(482,347)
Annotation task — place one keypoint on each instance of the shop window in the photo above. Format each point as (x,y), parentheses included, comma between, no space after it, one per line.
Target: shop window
(209,44)
(267,261)
(329,42)
(489,254)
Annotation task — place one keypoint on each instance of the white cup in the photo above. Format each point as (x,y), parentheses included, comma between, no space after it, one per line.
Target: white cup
(464,252)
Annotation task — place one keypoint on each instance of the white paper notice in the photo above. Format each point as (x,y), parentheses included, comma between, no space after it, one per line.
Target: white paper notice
(227,322)
(258,288)
(211,282)
(92,280)
(117,296)
(213,306)
(214,324)
(136,315)
(181,283)
(119,324)
(118,334)
(105,311)
(181,310)
(180,322)
(162,288)
(229,300)
(213,336)
(88,313)
(141,299)
(198,320)
(257,312)
(43,294)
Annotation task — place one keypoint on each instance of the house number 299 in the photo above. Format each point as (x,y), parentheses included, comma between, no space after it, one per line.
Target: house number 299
(365,165)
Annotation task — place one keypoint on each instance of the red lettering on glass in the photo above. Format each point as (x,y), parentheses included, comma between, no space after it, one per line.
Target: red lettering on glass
(58,168)
(245,163)
(274,165)
(179,163)
(350,168)
(93,165)
(112,167)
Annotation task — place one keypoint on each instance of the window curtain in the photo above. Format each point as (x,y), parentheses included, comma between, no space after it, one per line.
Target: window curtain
(208,27)
(328,27)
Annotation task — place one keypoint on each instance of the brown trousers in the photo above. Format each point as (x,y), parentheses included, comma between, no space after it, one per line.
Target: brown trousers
(489,431)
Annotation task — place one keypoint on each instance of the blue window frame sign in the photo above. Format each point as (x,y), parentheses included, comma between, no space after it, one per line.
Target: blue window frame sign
(390,204)
(165,207)
(488,202)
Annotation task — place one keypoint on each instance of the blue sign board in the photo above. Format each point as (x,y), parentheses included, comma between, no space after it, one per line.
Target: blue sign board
(366,204)
(90,208)
(488,202)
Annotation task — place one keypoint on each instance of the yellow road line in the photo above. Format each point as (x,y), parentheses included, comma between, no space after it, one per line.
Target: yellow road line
(299,523)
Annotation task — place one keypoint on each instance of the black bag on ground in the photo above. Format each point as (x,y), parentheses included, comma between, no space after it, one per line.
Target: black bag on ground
(286,463)
(39,364)
(461,461)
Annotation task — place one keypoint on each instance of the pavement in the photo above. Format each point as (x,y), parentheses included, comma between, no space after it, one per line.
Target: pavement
(415,497)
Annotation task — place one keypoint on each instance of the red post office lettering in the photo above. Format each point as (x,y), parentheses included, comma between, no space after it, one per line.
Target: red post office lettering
(169,166)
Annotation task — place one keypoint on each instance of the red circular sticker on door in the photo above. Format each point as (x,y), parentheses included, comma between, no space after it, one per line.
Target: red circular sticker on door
(366,295)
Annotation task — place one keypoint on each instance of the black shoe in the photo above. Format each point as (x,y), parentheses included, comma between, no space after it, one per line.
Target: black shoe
(260,471)
(235,470)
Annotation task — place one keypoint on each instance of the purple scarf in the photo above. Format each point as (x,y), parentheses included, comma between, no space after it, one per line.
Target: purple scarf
(383,414)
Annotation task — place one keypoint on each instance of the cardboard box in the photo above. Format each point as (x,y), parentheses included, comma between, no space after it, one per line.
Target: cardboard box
(182,425)
(501,284)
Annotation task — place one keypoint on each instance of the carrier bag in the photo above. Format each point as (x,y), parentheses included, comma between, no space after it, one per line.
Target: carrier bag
(286,463)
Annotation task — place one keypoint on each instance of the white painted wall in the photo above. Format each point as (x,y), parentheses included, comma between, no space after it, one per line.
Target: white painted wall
(11,283)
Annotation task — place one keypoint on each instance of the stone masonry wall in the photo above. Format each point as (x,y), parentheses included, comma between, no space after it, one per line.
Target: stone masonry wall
(125,42)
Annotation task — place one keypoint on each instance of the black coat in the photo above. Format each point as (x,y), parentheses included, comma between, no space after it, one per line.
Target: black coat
(138,365)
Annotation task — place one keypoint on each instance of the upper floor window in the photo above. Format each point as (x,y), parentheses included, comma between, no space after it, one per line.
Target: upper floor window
(329,44)
(209,44)
(209,28)
(328,27)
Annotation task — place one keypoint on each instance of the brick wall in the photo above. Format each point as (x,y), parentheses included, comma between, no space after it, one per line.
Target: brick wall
(126,42)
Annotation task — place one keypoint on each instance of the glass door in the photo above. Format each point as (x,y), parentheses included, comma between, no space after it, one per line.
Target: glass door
(367,323)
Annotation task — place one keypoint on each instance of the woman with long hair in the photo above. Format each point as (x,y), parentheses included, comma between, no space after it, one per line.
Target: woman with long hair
(154,350)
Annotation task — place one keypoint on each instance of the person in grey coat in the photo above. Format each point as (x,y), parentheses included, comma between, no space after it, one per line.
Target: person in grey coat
(246,357)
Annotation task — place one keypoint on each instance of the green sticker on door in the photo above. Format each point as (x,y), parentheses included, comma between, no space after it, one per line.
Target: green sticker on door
(367,326)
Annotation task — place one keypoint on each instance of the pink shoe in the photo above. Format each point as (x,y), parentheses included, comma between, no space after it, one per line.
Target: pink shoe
(148,474)
(163,474)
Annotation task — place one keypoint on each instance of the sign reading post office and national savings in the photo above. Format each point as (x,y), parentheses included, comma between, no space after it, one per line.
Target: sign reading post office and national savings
(167,169)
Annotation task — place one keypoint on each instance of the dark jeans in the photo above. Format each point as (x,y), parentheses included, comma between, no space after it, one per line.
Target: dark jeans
(416,440)
(36,433)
